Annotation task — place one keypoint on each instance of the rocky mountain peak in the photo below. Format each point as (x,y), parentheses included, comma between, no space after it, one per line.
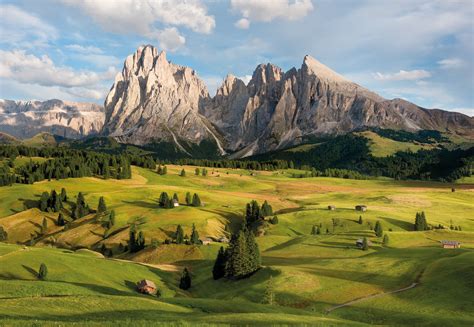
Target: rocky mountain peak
(313,66)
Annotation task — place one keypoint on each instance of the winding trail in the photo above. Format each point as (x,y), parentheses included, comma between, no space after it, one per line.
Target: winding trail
(373,296)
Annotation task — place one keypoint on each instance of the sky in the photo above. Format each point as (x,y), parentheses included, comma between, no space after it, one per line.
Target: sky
(419,50)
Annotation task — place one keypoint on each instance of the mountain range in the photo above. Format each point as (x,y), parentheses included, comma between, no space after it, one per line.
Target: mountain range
(153,101)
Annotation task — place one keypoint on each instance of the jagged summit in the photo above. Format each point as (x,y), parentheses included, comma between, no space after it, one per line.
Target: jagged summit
(154,100)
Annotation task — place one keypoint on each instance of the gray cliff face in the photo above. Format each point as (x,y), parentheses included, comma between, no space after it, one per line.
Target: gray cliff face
(24,119)
(277,109)
(153,100)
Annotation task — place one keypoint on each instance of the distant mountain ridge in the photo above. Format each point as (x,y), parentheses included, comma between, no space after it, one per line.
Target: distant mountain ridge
(155,103)
(25,119)
(153,100)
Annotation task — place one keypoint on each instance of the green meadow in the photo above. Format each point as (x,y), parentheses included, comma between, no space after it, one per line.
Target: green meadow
(311,273)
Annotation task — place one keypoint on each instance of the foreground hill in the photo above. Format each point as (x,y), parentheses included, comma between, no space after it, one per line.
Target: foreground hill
(312,273)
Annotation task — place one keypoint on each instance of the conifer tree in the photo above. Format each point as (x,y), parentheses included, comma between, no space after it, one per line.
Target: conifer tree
(313,230)
(3,234)
(175,197)
(204,172)
(43,205)
(269,294)
(218,271)
(159,170)
(81,209)
(164,171)
(195,236)
(274,220)
(63,195)
(140,245)
(182,173)
(44,226)
(386,240)
(266,209)
(185,281)
(132,239)
(111,219)
(43,272)
(378,229)
(61,220)
(196,200)
(179,235)
(189,199)
(196,171)
(164,200)
(318,231)
(360,220)
(101,208)
(365,244)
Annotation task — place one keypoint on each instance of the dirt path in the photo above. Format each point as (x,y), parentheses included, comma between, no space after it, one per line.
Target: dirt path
(373,296)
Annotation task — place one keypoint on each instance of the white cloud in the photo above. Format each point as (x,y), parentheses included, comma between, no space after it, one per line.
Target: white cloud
(26,69)
(84,49)
(140,17)
(268,10)
(466,111)
(212,83)
(242,23)
(170,39)
(450,63)
(18,27)
(403,75)
(246,78)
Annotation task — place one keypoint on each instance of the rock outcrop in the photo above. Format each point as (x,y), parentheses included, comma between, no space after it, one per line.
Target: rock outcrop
(153,100)
(24,119)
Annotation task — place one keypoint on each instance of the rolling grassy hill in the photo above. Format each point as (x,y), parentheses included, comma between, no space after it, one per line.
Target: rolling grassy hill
(312,273)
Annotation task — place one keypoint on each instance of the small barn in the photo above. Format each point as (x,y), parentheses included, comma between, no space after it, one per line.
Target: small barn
(206,241)
(146,286)
(223,239)
(450,244)
(361,207)
(332,207)
(360,243)
(175,203)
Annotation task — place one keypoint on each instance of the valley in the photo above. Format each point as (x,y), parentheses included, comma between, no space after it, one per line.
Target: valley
(311,273)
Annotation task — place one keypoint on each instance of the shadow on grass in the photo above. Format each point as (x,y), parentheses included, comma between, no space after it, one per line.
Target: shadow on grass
(143,204)
(399,223)
(31,271)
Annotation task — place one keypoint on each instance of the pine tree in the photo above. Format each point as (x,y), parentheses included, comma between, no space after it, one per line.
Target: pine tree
(81,209)
(3,234)
(386,240)
(254,259)
(164,200)
(196,171)
(378,229)
(236,266)
(43,205)
(101,208)
(63,195)
(182,173)
(159,170)
(313,230)
(43,272)
(269,294)
(185,281)
(204,172)
(175,197)
(164,171)
(132,239)
(61,220)
(111,218)
(365,244)
(360,220)
(44,226)
(218,271)
(195,236)
(189,199)
(179,235)
(318,231)
(274,220)
(196,200)
(140,245)
(420,222)
(266,209)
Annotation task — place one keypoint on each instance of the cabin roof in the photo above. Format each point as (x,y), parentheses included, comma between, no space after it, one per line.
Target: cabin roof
(450,242)
(146,282)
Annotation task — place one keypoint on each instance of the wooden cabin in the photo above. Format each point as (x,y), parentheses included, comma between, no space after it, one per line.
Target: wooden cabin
(146,286)
(360,243)
(206,241)
(450,244)
(331,207)
(361,207)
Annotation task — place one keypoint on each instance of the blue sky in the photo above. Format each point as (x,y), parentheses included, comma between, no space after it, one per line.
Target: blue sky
(420,50)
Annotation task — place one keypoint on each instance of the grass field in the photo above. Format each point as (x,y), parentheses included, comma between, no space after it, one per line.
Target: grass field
(311,273)
(383,147)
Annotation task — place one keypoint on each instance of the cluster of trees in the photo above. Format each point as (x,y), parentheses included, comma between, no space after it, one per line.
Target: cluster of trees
(378,229)
(202,172)
(330,172)
(240,259)
(180,238)
(61,163)
(165,201)
(3,234)
(254,213)
(136,239)
(162,170)
(238,164)
(52,202)
(420,222)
